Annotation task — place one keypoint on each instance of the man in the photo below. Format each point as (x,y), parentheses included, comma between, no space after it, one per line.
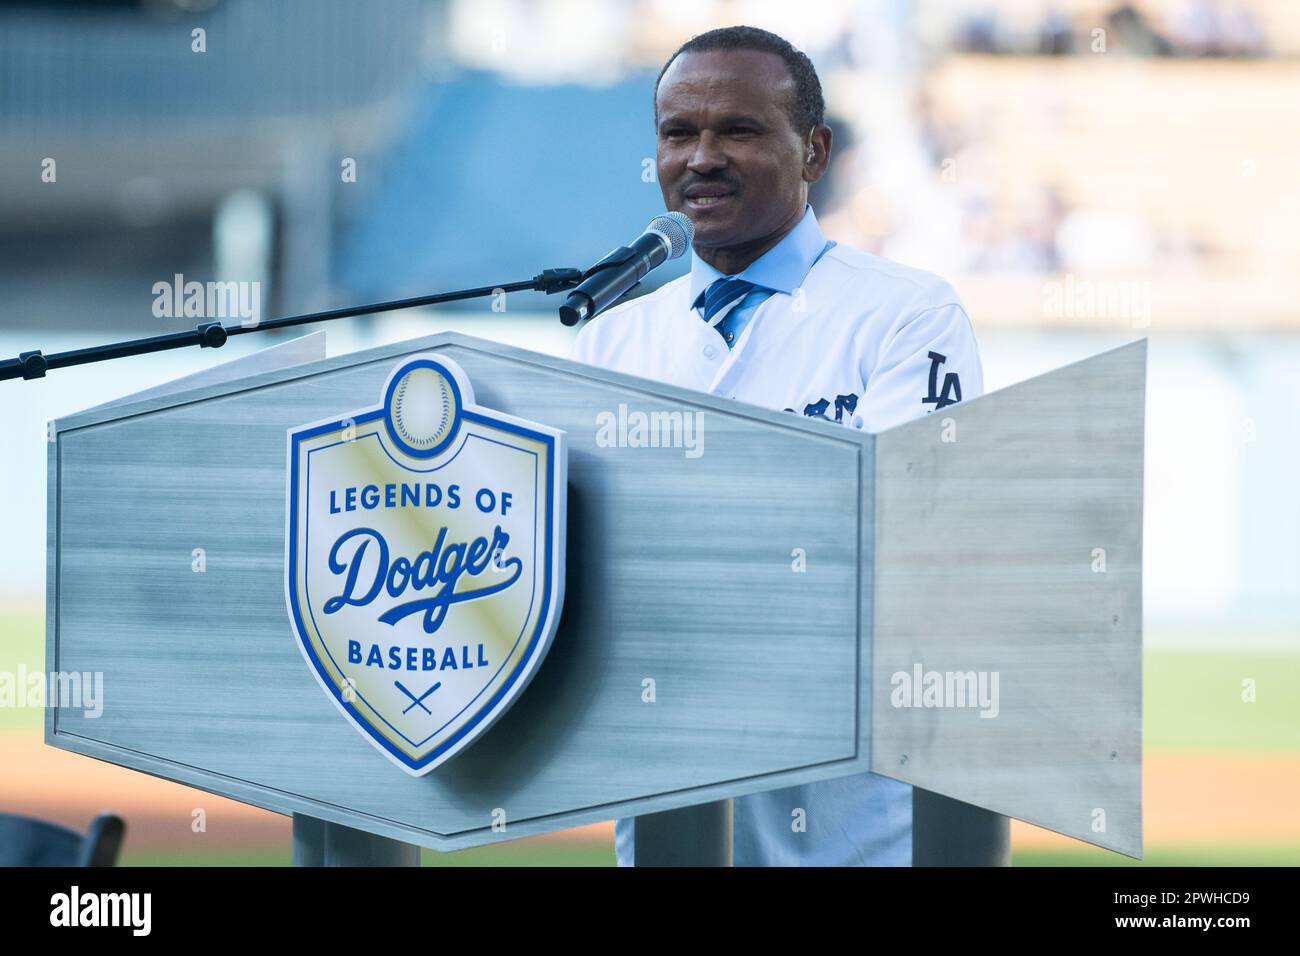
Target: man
(774,314)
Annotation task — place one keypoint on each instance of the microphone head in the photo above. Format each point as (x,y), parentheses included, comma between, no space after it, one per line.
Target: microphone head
(676,229)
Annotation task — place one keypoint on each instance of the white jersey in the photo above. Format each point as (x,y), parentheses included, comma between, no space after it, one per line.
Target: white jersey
(863,342)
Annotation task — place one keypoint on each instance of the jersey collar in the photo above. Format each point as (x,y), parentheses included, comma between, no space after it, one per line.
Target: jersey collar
(781,269)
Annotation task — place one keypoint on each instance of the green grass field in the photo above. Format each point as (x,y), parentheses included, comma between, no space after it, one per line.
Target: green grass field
(22,642)
(520,853)
(1192,700)
(1192,703)
(553,855)
(1250,854)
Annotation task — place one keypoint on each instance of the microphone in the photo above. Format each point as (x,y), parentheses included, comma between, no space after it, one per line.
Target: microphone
(667,237)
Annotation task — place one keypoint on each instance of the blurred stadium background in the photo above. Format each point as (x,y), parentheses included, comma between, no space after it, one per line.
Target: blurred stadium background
(1086,172)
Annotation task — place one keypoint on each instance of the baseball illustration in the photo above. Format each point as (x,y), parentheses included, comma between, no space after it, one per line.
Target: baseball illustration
(423,408)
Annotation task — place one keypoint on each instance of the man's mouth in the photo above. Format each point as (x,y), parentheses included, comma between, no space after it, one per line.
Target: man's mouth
(707,197)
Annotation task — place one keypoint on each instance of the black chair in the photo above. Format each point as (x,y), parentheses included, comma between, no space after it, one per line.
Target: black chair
(25,841)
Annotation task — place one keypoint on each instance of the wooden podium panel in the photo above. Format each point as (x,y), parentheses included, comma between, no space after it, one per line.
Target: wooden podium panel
(1009,548)
(681,580)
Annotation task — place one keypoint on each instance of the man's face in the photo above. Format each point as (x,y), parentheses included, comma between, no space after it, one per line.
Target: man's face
(728,154)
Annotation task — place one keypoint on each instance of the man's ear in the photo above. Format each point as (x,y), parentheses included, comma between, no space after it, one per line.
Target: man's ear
(817,153)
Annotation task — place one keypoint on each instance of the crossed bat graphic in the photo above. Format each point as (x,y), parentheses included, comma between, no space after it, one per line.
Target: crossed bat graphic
(417,701)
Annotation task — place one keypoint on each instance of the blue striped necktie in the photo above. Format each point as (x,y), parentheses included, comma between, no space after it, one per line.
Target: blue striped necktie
(722,296)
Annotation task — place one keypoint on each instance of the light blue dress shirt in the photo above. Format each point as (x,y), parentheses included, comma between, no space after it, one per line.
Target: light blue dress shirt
(862,820)
(781,269)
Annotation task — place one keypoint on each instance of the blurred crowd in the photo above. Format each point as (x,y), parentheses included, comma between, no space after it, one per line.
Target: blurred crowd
(1190,28)
(1085,137)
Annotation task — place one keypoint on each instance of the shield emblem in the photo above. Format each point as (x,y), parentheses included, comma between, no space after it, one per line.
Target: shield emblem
(424,559)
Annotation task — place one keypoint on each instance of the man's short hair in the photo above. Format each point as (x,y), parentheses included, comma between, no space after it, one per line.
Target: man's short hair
(807,110)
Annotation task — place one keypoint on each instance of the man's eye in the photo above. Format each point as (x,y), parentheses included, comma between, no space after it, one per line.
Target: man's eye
(742,131)
(676,133)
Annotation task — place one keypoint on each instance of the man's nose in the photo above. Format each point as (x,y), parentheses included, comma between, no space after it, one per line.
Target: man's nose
(708,154)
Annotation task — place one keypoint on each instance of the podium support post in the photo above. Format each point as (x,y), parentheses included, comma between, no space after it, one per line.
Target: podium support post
(308,841)
(319,843)
(692,836)
(947,832)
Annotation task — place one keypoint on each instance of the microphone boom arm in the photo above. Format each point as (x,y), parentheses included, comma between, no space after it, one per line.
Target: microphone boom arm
(34,364)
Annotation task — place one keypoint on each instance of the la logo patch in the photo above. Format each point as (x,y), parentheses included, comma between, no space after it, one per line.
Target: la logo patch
(424,559)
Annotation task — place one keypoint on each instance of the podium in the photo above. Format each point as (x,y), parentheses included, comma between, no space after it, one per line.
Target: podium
(954,603)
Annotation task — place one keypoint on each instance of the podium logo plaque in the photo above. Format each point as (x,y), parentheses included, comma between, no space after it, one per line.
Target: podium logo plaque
(424,559)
